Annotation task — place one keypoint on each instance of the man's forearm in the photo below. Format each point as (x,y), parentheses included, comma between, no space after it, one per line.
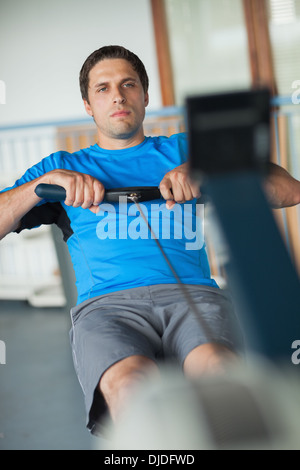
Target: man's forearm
(14,204)
(82,190)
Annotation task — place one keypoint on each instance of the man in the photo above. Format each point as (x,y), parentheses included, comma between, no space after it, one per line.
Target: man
(130,311)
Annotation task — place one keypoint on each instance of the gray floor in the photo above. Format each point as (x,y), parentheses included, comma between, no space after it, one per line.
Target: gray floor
(41,402)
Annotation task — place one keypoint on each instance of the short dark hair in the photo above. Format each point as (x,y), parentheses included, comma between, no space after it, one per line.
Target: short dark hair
(111,52)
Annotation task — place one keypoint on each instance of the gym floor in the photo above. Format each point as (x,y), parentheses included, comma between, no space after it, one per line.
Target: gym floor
(41,402)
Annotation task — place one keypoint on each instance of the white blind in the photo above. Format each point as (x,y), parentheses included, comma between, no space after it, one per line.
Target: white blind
(284,25)
(209,49)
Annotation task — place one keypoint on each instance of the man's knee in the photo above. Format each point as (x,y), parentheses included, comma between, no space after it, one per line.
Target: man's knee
(120,379)
(209,358)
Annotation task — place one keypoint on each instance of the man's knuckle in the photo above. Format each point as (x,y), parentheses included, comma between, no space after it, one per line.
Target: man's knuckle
(88,179)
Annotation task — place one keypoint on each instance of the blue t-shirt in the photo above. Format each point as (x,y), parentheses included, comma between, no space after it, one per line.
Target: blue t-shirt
(114,250)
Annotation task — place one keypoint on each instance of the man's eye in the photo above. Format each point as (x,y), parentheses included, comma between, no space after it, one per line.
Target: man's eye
(102,89)
(128,85)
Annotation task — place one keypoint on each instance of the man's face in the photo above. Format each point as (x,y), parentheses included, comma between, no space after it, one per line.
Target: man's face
(116,101)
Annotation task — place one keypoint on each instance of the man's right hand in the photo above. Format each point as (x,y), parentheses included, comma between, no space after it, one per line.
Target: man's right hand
(82,190)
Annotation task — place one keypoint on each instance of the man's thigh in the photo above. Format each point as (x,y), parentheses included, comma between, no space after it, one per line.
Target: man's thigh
(210,319)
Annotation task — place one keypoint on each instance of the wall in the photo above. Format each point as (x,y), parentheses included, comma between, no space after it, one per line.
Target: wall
(42,48)
(44,44)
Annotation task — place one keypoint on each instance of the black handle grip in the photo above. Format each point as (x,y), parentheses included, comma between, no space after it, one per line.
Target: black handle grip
(53,192)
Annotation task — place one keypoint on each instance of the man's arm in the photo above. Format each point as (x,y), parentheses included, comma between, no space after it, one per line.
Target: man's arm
(81,189)
(14,204)
(282,190)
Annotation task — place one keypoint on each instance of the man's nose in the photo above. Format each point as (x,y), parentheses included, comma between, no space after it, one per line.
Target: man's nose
(119,97)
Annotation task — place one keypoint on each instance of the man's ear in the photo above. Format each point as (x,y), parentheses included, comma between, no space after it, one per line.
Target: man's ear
(88,108)
(146,99)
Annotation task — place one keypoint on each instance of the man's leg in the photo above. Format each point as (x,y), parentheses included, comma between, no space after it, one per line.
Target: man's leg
(209,358)
(118,381)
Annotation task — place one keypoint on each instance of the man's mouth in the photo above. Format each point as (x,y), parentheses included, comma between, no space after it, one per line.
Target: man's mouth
(121,113)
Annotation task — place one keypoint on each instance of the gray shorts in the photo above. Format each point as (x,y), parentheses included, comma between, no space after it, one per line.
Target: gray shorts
(152,321)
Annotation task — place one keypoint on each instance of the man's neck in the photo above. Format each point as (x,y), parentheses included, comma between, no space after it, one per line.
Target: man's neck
(109,143)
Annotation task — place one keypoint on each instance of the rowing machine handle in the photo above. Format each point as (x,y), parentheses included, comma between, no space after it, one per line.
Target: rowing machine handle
(53,192)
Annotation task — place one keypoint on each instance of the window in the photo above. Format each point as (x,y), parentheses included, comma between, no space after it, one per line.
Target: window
(284,27)
(208,43)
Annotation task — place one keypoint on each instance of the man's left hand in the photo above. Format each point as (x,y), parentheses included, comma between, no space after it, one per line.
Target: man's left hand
(177,186)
